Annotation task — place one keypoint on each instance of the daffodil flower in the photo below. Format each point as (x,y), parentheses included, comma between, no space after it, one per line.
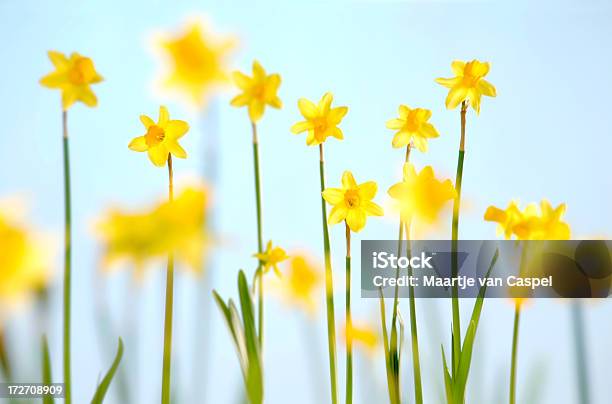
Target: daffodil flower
(301,281)
(531,224)
(271,257)
(412,126)
(352,202)
(161,138)
(421,195)
(321,121)
(198,62)
(363,334)
(257,91)
(73,76)
(468,84)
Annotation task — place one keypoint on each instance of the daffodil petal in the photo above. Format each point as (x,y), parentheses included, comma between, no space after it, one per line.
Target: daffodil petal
(368,190)
(301,127)
(494,214)
(356,219)
(429,130)
(58,59)
(373,209)
(401,139)
(138,144)
(458,67)
(256,110)
(333,196)
(54,80)
(307,108)
(163,116)
(241,80)
(337,214)
(146,121)
(258,71)
(336,114)
(176,149)
(486,88)
(404,111)
(158,155)
(455,97)
(325,104)
(175,129)
(395,124)
(348,181)
(240,100)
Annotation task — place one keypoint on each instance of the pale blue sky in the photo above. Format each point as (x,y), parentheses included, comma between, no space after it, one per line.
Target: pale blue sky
(546,135)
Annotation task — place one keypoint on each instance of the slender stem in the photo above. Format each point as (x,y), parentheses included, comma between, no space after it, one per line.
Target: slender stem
(455,242)
(349,321)
(5,364)
(515,333)
(329,287)
(581,353)
(416,359)
(67,260)
(165,398)
(260,305)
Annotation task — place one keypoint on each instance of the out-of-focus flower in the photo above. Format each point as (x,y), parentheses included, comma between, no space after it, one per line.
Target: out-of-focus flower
(271,258)
(23,270)
(301,282)
(198,62)
(73,76)
(362,334)
(531,224)
(412,126)
(177,226)
(257,91)
(468,84)
(321,121)
(352,202)
(161,138)
(421,195)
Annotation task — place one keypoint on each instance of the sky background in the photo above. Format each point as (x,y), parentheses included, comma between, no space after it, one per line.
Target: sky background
(546,135)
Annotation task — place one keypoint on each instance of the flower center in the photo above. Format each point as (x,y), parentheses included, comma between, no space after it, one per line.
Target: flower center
(320,125)
(258,91)
(82,72)
(471,75)
(155,135)
(412,123)
(351,198)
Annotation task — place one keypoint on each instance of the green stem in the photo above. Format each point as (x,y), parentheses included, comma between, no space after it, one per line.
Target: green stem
(581,353)
(167,359)
(67,260)
(416,360)
(349,321)
(391,381)
(46,368)
(260,304)
(515,333)
(329,287)
(454,244)
(5,363)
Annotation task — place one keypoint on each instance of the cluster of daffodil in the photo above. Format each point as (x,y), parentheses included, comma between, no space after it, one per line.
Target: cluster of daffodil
(531,223)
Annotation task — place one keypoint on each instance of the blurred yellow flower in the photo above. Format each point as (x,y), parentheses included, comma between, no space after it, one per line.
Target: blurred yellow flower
(352,202)
(421,195)
(198,62)
(257,91)
(161,138)
(23,270)
(468,84)
(271,258)
(321,120)
(412,126)
(362,334)
(302,280)
(177,226)
(73,76)
(531,224)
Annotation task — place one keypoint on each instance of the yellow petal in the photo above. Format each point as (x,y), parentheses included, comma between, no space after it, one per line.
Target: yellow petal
(455,97)
(69,97)
(176,129)
(449,83)
(409,171)
(256,110)
(307,108)
(301,127)
(58,59)
(337,214)
(356,219)
(337,133)
(259,72)
(333,196)
(397,191)
(486,88)
(146,121)
(494,214)
(311,139)
(176,149)
(241,80)
(458,67)
(429,130)
(240,100)
(87,97)
(474,97)
(336,114)
(348,181)
(273,82)
(163,116)
(275,103)
(395,124)
(325,103)
(158,155)
(373,209)
(54,80)
(420,143)
(367,190)
(138,144)
(401,139)
(404,111)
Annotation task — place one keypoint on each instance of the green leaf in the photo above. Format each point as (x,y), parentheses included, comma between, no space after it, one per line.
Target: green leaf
(108,378)
(448,382)
(46,369)
(390,380)
(254,373)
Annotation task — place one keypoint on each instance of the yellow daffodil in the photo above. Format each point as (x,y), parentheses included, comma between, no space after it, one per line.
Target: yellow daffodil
(352,202)
(198,62)
(257,91)
(73,76)
(362,334)
(421,195)
(531,224)
(412,126)
(140,237)
(468,84)
(161,138)
(301,282)
(271,258)
(321,120)
(23,271)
